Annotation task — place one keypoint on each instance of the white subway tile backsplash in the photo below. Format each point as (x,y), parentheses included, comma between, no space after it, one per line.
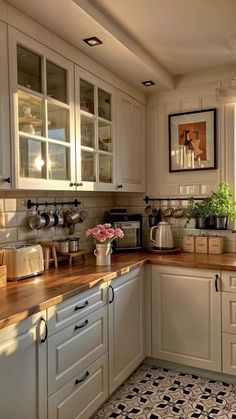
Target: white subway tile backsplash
(10,204)
(8,235)
(11,219)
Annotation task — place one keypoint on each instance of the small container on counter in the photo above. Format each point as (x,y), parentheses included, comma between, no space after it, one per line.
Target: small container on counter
(73,244)
(189,243)
(216,245)
(202,244)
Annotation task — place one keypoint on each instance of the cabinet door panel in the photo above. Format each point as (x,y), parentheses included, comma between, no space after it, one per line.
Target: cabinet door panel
(229,312)
(125,328)
(186,323)
(23,382)
(131,140)
(229,354)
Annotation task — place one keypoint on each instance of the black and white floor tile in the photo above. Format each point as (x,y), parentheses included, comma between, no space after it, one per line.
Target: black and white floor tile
(154,393)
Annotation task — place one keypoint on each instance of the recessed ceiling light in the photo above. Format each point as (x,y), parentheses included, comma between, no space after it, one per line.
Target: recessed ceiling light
(148,83)
(93,41)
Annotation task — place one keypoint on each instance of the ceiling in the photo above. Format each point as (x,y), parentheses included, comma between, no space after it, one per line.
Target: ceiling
(144,39)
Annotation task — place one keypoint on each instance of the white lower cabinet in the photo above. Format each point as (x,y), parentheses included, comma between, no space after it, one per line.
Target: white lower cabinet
(125,316)
(186,316)
(229,322)
(80,397)
(23,369)
(75,347)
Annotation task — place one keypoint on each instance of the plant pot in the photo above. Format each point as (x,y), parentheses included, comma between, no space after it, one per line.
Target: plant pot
(210,222)
(103,254)
(221,223)
(200,223)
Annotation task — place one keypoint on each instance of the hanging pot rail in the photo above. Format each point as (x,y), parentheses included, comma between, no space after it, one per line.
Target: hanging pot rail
(31,204)
(176,198)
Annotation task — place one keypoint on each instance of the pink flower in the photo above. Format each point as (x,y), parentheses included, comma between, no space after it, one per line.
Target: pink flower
(110,233)
(88,233)
(118,233)
(96,231)
(101,226)
(107,225)
(101,237)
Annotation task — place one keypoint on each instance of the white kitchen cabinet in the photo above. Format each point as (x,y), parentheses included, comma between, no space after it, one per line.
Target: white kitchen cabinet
(95,135)
(131,144)
(229,322)
(23,369)
(5,165)
(77,355)
(42,106)
(125,318)
(186,316)
(80,397)
(76,347)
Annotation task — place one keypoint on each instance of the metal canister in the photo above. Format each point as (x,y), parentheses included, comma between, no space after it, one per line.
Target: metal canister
(74,244)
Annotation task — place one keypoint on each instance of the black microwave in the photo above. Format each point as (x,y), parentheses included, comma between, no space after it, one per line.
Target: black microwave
(131,225)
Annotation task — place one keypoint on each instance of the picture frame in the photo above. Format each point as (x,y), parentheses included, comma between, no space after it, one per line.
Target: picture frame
(192,140)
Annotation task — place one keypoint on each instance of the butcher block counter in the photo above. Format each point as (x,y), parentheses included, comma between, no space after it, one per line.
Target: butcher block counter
(21,299)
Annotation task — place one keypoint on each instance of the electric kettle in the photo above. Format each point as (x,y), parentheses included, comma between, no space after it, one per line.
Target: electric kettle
(163,236)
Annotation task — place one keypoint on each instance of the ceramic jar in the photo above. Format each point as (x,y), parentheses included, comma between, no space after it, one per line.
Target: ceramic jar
(103,254)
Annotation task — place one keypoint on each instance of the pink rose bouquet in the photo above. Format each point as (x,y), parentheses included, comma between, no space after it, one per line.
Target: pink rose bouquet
(104,233)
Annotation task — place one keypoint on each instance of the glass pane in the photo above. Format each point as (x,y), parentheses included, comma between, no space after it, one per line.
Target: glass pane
(104,136)
(104,104)
(87,131)
(86,96)
(56,82)
(29,69)
(32,158)
(58,123)
(30,113)
(58,162)
(88,166)
(105,168)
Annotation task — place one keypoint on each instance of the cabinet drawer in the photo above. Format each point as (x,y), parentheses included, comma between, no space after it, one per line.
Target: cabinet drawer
(229,281)
(75,308)
(229,312)
(75,348)
(229,354)
(83,395)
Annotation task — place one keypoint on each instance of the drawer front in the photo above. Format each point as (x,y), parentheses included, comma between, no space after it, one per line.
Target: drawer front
(73,349)
(83,395)
(229,354)
(68,312)
(229,312)
(229,281)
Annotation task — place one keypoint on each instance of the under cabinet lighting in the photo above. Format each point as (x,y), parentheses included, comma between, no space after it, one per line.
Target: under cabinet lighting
(148,83)
(93,41)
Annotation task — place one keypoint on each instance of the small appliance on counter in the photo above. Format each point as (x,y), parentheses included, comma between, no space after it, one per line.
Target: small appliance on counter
(23,261)
(131,224)
(163,242)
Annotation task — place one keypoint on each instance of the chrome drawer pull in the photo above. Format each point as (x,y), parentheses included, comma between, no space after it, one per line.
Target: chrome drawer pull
(83,306)
(80,380)
(81,325)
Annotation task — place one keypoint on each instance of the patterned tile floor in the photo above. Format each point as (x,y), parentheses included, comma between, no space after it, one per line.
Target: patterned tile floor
(154,393)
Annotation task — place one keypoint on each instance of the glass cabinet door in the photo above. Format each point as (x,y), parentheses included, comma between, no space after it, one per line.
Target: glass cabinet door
(96,131)
(45,106)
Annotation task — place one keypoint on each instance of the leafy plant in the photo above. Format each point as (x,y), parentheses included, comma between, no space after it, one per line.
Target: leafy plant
(222,202)
(201,209)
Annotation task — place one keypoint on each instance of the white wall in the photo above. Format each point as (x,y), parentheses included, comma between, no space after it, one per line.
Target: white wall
(191,93)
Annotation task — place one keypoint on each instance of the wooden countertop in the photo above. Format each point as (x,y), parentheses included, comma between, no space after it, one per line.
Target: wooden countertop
(21,299)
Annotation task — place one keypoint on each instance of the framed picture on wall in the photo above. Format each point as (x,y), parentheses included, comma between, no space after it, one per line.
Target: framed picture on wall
(192,140)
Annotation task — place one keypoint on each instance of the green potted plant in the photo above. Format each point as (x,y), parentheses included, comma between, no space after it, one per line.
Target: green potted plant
(200,211)
(223,206)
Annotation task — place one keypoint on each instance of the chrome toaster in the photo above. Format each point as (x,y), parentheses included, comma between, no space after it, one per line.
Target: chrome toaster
(23,261)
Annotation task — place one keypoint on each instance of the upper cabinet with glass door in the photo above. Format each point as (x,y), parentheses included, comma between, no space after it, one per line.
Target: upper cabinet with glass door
(94,129)
(42,93)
